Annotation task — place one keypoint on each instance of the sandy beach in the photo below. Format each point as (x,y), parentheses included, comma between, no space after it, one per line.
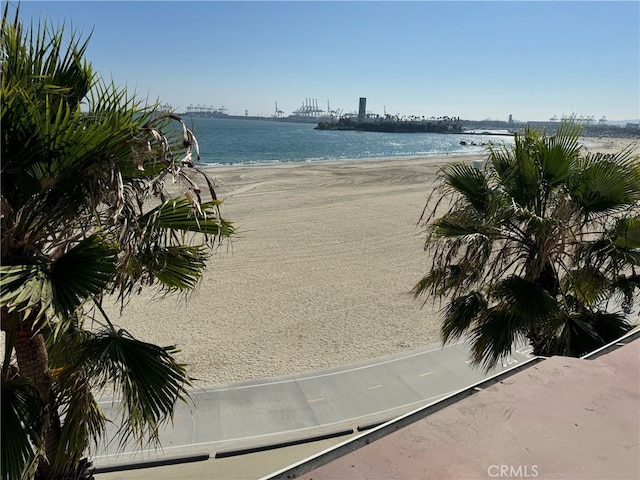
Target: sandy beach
(319,275)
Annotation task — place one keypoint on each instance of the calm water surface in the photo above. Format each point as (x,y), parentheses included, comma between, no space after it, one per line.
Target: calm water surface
(231,142)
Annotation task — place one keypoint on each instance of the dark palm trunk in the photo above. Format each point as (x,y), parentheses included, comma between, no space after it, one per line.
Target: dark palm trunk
(31,354)
(548,280)
(540,340)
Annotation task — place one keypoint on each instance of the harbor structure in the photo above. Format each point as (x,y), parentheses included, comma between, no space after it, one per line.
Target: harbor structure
(362,108)
(204,111)
(308,110)
(337,119)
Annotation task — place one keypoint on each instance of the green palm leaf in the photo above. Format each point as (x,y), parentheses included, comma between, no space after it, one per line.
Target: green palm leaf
(524,299)
(440,281)
(461,313)
(517,172)
(155,253)
(562,149)
(82,272)
(604,183)
(180,267)
(147,376)
(25,288)
(610,326)
(589,285)
(22,427)
(179,214)
(84,421)
(458,224)
(616,248)
(586,331)
(494,335)
(627,233)
(470,183)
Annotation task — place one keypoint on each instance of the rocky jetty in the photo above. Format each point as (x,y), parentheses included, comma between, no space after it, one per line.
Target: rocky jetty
(392,126)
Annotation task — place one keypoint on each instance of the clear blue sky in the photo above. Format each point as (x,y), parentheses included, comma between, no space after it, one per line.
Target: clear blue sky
(475,59)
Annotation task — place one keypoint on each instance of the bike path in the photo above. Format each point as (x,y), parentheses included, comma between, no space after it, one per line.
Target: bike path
(229,419)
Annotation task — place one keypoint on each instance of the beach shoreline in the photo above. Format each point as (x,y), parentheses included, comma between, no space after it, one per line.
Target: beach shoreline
(318,277)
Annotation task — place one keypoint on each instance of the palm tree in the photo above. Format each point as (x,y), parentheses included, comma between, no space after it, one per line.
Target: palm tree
(541,245)
(85,214)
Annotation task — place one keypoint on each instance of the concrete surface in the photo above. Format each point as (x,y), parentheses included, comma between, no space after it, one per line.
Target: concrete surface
(562,418)
(260,417)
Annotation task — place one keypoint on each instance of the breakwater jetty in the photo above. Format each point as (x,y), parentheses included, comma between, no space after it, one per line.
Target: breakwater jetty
(392,126)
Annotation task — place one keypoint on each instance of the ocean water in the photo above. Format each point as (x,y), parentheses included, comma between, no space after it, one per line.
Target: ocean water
(233,142)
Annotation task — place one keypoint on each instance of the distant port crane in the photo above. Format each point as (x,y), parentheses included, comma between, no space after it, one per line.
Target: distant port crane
(206,111)
(279,113)
(309,108)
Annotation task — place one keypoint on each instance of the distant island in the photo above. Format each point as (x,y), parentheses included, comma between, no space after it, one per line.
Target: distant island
(470,127)
(392,125)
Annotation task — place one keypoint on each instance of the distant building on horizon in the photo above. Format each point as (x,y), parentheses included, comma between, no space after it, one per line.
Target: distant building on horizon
(362,110)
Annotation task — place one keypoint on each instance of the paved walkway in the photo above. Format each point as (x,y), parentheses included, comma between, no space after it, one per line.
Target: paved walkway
(561,417)
(243,417)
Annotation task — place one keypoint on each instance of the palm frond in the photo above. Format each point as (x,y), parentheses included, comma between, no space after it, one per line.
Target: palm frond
(493,337)
(585,332)
(526,300)
(81,272)
(27,289)
(458,223)
(517,171)
(180,267)
(147,376)
(178,214)
(624,289)
(626,233)
(154,250)
(439,282)
(22,427)
(605,183)
(614,250)
(562,149)
(83,420)
(588,285)
(461,313)
(470,183)
(189,141)
(610,325)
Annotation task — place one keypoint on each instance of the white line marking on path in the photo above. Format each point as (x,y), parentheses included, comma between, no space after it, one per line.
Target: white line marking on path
(399,358)
(230,441)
